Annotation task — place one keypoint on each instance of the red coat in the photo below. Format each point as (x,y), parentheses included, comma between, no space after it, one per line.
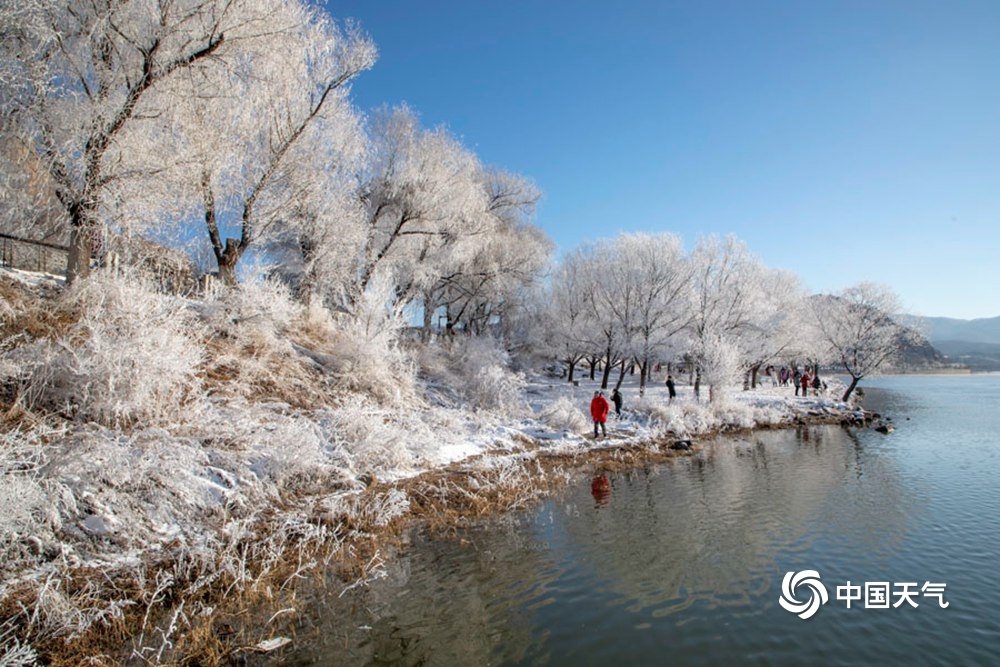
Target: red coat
(599,409)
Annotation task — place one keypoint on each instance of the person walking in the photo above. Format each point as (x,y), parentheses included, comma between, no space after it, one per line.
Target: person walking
(616,398)
(671,389)
(599,412)
(805,384)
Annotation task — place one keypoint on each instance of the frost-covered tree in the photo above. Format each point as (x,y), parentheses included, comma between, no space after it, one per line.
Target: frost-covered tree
(28,205)
(726,300)
(491,265)
(653,282)
(858,327)
(610,298)
(88,70)
(110,90)
(421,194)
(779,325)
(291,144)
(564,321)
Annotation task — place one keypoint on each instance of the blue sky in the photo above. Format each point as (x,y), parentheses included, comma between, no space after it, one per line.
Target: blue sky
(844,141)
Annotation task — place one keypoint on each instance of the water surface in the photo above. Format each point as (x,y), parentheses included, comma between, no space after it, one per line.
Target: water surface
(682,563)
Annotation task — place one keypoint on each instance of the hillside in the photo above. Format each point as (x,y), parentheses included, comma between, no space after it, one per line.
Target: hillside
(982,330)
(972,343)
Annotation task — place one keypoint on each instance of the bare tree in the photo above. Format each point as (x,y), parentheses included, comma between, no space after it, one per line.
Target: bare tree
(858,326)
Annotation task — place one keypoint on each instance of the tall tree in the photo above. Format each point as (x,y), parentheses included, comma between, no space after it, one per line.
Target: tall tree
(421,194)
(858,326)
(655,280)
(293,137)
(490,264)
(726,298)
(90,68)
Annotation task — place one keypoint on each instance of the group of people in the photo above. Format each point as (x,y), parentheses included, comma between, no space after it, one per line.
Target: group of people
(801,381)
(600,408)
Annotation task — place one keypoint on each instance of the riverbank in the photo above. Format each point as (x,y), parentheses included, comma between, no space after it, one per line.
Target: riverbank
(171,469)
(207,589)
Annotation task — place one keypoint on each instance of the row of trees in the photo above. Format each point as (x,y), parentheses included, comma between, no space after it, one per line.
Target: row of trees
(230,122)
(640,299)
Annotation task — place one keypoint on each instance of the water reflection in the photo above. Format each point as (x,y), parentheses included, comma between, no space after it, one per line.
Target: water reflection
(682,562)
(600,489)
(710,527)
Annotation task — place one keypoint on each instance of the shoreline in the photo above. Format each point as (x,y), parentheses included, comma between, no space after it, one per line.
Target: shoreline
(346,541)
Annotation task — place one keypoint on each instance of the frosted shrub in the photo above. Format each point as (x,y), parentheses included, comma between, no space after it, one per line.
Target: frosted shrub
(129,358)
(367,356)
(376,439)
(251,352)
(22,496)
(735,414)
(565,415)
(256,312)
(487,382)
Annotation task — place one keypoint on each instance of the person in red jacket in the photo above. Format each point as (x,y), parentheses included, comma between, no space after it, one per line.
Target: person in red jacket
(599,412)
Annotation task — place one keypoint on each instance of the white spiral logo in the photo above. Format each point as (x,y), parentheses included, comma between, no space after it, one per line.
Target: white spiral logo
(817,597)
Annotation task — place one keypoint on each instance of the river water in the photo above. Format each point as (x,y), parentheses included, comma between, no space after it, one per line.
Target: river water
(683,563)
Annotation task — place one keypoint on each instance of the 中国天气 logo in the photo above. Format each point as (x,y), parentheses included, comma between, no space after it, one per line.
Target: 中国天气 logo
(817,593)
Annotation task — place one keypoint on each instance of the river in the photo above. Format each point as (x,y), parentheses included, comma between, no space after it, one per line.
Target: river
(683,563)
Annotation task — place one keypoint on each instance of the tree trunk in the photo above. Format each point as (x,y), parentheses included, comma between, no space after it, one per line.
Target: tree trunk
(227,261)
(607,369)
(850,388)
(572,368)
(425,334)
(643,372)
(621,377)
(78,260)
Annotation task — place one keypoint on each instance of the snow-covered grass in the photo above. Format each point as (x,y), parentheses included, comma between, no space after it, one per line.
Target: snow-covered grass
(160,453)
(132,356)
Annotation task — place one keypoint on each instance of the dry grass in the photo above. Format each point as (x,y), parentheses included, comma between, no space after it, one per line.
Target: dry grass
(31,314)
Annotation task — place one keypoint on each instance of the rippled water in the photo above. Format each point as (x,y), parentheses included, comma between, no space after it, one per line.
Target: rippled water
(682,563)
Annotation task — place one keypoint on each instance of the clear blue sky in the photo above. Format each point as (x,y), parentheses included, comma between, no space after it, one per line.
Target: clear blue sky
(844,141)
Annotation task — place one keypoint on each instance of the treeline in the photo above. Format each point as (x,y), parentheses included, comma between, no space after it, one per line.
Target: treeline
(230,123)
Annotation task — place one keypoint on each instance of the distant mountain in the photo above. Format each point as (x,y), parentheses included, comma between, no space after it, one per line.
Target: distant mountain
(972,343)
(982,330)
(977,356)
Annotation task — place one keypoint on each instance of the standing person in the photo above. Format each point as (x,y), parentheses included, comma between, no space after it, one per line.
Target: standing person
(671,390)
(796,380)
(816,383)
(805,384)
(599,412)
(616,398)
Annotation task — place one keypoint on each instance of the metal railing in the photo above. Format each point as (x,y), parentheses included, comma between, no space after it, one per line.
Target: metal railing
(29,255)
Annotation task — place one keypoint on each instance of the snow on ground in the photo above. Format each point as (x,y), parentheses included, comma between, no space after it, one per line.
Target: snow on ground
(96,494)
(113,485)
